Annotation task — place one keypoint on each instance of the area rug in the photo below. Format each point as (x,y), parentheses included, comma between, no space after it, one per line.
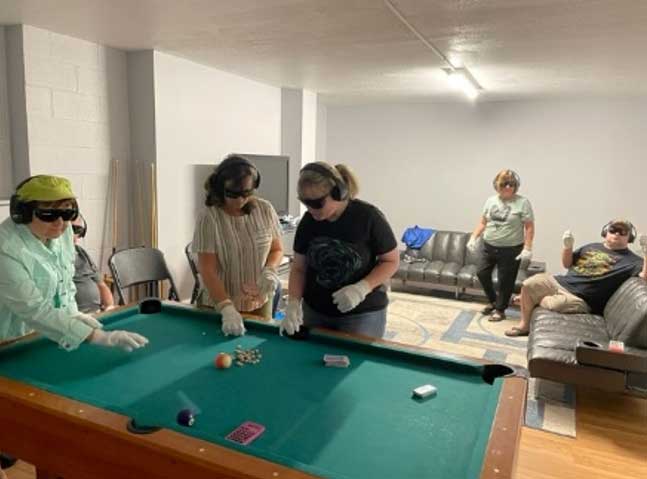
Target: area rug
(445,324)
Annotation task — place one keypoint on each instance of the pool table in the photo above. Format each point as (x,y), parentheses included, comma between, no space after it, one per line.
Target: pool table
(104,413)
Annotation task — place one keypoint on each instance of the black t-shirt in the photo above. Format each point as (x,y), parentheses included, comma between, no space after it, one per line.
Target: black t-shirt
(342,252)
(597,272)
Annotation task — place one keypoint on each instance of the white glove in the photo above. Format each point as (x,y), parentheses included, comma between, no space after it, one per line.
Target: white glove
(348,297)
(471,244)
(568,239)
(121,339)
(268,282)
(293,317)
(525,254)
(642,239)
(232,321)
(89,320)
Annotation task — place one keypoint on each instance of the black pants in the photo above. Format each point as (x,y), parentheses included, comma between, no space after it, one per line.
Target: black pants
(507,266)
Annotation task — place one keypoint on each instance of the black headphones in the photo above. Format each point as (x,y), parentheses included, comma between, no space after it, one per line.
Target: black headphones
(229,162)
(632,233)
(515,177)
(339,192)
(21,212)
(81,230)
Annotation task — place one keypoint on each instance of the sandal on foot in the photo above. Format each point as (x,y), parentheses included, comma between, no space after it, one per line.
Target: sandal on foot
(488,310)
(515,332)
(497,316)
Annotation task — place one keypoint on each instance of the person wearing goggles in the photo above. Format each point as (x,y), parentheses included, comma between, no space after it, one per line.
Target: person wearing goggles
(508,228)
(37,291)
(594,272)
(92,293)
(237,240)
(345,252)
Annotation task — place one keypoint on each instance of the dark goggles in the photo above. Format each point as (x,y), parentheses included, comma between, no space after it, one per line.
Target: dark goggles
(508,184)
(49,215)
(239,194)
(79,230)
(618,230)
(315,203)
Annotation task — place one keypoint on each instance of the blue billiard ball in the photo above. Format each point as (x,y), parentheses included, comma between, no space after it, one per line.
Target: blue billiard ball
(186,418)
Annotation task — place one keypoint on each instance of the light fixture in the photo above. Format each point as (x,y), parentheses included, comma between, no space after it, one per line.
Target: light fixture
(459,76)
(462,78)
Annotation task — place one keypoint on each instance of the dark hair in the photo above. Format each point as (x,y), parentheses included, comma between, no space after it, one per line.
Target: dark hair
(236,173)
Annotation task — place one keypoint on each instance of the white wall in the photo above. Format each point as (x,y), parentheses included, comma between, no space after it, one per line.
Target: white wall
(77,120)
(581,162)
(201,115)
(6,170)
(4,210)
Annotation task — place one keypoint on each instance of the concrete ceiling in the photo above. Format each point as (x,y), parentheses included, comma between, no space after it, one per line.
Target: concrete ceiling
(357,51)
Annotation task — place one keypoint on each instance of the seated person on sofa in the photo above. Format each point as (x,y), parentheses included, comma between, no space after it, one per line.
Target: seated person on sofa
(92,293)
(595,272)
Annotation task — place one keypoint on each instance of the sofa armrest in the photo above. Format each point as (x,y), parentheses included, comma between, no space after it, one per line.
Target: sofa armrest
(592,353)
(536,267)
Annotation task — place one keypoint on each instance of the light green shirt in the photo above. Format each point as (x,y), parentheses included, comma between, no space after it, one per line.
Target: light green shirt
(505,220)
(36,287)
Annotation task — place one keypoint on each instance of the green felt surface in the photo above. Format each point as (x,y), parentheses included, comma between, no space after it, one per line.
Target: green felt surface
(358,422)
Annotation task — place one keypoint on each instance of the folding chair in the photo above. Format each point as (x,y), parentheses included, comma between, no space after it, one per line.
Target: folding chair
(141,266)
(194,271)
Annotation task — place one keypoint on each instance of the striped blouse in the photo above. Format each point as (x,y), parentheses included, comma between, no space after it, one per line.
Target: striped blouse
(242,245)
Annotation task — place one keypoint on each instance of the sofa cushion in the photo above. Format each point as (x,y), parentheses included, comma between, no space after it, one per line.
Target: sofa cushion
(427,250)
(416,271)
(466,277)
(432,271)
(626,313)
(449,247)
(554,336)
(449,273)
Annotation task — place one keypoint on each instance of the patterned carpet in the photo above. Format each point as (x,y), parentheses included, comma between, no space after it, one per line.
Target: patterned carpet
(456,326)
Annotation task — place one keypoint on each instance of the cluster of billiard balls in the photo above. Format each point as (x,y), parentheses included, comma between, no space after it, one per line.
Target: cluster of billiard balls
(186,417)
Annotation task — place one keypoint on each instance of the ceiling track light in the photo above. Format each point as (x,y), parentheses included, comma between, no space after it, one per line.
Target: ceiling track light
(458,76)
(462,78)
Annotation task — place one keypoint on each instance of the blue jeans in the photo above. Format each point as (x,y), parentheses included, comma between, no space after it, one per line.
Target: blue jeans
(372,323)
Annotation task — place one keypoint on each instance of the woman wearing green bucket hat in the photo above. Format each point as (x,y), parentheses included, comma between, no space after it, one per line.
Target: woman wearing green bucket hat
(37,266)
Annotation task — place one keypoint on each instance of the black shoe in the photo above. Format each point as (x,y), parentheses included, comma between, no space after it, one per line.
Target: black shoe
(6,461)
(497,316)
(488,310)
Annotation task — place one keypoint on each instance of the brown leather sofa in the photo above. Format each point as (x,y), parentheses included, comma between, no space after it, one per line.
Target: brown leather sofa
(573,348)
(445,263)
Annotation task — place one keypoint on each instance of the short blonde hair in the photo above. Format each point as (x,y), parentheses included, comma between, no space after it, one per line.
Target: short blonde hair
(506,176)
(335,175)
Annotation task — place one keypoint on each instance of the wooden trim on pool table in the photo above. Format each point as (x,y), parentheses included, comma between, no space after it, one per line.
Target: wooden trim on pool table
(77,440)
(501,454)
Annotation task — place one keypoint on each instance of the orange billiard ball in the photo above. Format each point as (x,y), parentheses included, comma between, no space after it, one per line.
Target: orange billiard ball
(222,361)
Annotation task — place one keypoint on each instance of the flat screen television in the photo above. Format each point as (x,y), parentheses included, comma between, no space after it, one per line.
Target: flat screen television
(275,177)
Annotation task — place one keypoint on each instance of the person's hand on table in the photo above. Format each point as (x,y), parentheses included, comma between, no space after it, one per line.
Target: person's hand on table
(293,317)
(232,321)
(268,282)
(120,339)
(349,297)
(89,320)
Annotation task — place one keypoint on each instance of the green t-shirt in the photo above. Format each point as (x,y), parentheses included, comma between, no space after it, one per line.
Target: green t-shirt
(505,220)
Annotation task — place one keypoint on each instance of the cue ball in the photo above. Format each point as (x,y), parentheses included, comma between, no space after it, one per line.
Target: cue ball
(222,361)
(186,418)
